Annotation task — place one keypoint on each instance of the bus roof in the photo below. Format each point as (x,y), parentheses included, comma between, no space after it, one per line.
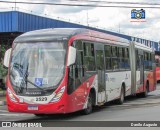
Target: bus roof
(143,47)
(60,33)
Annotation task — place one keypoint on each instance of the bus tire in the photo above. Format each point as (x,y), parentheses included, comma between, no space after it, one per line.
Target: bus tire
(122,95)
(39,115)
(89,108)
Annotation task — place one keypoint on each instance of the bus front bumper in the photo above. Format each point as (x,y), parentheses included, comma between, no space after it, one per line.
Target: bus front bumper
(51,108)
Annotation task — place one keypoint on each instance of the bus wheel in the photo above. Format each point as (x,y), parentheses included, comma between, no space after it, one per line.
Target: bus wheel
(89,108)
(122,95)
(39,115)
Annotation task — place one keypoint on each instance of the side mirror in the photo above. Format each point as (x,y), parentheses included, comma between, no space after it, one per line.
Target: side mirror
(7,57)
(71,56)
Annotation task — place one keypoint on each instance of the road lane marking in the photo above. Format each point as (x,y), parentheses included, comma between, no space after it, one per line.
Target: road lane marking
(3,111)
(7,114)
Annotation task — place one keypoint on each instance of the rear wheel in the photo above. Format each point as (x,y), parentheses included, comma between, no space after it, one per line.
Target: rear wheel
(89,108)
(144,94)
(122,95)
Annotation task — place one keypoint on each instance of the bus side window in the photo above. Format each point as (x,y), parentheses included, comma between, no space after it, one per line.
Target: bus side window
(150,64)
(114,51)
(146,61)
(71,81)
(79,59)
(79,68)
(89,57)
(127,62)
(137,61)
(108,57)
(121,61)
(154,60)
(76,71)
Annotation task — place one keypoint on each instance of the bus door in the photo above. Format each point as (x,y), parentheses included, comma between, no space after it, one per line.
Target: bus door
(141,67)
(101,76)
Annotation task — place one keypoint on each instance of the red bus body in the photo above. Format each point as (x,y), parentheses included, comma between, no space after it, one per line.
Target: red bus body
(77,100)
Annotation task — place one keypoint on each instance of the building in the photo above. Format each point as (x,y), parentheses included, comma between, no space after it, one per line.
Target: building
(14,23)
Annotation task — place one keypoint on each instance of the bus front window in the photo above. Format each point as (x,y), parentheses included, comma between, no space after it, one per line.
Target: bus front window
(37,65)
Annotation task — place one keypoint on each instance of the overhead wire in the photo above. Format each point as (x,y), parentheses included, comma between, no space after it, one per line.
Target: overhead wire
(82,5)
(110,2)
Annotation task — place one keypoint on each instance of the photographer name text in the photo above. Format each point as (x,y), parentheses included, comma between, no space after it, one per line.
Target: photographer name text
(144,125)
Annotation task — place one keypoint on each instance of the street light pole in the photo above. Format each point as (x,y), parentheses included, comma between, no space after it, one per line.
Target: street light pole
(15,5)
(87,17)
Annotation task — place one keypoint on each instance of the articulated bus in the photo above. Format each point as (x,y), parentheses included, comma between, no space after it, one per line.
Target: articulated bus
(64,70)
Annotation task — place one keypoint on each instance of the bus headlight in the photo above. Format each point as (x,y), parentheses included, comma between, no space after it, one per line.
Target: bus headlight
(11,96)
(58,95)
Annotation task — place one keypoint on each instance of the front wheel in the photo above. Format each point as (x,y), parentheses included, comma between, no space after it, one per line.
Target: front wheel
(40,115)
(89,108)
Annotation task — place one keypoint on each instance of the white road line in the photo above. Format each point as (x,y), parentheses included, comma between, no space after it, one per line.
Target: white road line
(6,114)
(3,111)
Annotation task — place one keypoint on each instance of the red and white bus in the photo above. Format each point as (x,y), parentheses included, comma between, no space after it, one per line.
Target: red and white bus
(67,70)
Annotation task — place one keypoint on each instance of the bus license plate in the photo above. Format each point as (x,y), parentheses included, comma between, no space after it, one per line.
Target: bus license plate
(32,107)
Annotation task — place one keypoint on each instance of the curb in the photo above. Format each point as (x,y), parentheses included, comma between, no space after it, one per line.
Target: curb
(2,103)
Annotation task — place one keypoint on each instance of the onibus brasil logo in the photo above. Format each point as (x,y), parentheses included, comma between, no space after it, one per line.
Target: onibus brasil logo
(138,15)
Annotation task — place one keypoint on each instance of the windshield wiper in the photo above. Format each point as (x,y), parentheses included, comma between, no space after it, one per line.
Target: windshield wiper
(34,85)
(25,77)
(26,81)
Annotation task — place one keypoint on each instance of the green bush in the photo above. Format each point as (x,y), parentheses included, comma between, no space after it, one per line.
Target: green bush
(3,71)
(3,50)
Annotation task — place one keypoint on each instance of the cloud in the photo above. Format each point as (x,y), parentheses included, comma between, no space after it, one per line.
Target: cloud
(65,9)
(69,9)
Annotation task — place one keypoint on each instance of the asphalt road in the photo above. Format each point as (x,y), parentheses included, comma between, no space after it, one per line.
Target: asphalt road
(134,109)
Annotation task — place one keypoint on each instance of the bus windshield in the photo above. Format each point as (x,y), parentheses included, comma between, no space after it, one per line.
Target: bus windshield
(37,65)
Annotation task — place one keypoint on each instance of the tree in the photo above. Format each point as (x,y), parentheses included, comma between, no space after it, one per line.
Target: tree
(3,71)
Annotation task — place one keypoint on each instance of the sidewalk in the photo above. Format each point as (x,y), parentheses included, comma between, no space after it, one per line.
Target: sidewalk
(158,87)
(2,98)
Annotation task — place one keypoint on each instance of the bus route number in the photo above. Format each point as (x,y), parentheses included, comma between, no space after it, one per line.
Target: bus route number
(41,99)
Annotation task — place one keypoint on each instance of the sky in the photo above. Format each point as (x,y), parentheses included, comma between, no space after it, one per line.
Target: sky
(114,19)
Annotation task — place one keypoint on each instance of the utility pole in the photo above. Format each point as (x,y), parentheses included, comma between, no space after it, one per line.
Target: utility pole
(87,17)
(15,5)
